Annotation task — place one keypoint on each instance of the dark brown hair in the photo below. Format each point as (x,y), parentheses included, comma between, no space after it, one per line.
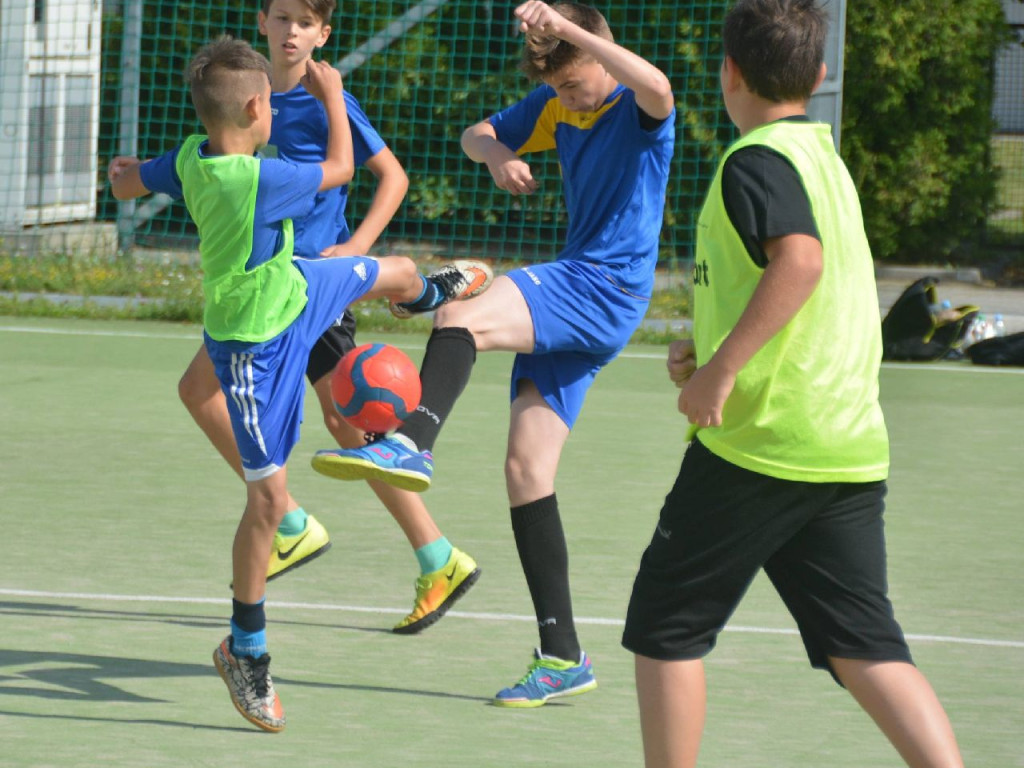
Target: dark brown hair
(222,77)
(543,55)
(778,45)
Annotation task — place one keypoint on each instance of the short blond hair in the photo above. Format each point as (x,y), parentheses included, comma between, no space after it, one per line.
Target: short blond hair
(544,55)
(222,77)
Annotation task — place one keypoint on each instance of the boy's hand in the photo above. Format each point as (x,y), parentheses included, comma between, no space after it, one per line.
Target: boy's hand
(539,18)
(704,395)
(342,249)
(322,80)
(119,165)
(681,362)
(513,175)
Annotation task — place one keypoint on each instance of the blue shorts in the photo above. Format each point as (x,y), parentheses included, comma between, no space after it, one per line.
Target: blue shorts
(582,319)
(264,383)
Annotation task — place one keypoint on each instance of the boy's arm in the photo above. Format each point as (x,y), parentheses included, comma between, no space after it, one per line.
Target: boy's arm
(510,172)
(125,179)
(392,184)
(652,88)
(793,271)
(324,82)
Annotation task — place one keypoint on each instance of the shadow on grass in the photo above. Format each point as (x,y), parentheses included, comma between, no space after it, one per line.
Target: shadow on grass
(50,610)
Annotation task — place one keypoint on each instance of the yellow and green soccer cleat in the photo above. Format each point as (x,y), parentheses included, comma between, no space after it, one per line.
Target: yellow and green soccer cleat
(292,551)
(437,591)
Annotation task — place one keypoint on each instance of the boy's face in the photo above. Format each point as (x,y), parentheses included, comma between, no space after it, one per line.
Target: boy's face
(293,31)
(581,87)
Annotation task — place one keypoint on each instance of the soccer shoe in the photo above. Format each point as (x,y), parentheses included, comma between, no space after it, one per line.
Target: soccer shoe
(386,460)
(462,279)
(292,551)
(548,679)
(436,592)
(252,690)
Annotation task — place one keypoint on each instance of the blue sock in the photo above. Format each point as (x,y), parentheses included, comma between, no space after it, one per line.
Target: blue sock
(248,628)
(434,556)
(293,523)
(429,299)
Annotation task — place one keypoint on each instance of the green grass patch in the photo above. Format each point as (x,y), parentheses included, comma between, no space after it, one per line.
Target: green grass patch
(170,289)
(115,581)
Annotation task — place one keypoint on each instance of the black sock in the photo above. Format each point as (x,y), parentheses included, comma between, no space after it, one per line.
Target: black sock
(545,559)
(445,371)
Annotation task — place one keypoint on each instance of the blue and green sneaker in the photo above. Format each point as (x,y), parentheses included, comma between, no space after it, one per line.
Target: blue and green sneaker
(548,678)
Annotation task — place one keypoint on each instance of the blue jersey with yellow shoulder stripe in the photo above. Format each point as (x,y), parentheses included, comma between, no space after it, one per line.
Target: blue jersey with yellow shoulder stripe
(614,173)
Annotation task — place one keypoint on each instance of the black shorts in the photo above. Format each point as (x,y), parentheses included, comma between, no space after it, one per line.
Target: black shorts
(331,347)
(821,544)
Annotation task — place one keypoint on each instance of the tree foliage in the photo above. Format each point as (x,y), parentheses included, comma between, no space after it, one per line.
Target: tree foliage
(917,120)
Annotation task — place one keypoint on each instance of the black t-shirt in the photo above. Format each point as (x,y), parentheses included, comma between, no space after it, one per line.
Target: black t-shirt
(764,198)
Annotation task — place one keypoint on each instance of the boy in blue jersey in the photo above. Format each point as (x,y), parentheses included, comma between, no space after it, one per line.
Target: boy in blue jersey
(294,30)
(787,470)
(263,310)
(609,115)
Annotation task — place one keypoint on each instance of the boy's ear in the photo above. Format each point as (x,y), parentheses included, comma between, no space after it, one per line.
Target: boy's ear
(732,78)
(325,32)
(821,77)
(252,107)
(261,22)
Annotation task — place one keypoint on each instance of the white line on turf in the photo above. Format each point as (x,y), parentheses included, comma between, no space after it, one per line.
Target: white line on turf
(91,332)
(101,597)
(962,368)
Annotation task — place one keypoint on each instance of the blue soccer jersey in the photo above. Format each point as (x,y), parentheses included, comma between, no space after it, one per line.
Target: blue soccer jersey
(614,174)
(586,305)
(299,133)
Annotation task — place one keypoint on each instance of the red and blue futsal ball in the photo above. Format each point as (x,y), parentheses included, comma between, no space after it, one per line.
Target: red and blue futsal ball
(375,387)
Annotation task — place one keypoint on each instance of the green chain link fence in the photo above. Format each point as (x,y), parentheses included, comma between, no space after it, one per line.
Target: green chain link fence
(423,73)
(85,80)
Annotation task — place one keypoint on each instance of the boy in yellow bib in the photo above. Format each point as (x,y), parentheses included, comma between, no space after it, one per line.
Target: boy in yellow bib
(787,467)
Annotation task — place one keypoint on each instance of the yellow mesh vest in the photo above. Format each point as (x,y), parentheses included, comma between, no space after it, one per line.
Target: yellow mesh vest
(805,407)
(242,305)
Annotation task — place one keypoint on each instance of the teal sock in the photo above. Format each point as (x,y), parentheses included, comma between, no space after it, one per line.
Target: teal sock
(248,629)
(434,556)
(429,299)
(293,523)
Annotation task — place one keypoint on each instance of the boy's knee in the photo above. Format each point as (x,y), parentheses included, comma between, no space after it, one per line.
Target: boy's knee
(189,389)
(522,472)
(446,315)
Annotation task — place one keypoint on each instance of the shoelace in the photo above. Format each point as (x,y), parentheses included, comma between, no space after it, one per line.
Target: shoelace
(450,280)
(534,666)
(260,677)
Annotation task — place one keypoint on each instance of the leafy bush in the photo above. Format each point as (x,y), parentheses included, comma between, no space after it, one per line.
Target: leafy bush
(917,120)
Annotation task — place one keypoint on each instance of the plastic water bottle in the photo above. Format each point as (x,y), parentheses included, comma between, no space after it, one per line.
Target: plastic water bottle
(944,312)
(985,331)
(976,331)
(998,326)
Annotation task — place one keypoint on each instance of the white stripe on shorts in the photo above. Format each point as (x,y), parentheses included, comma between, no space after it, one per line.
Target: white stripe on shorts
(242,389)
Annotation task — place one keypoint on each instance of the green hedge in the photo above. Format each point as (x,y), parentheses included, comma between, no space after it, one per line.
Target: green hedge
(917,120)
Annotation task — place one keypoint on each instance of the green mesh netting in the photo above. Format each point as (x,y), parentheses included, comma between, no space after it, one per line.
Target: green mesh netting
(423,72)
